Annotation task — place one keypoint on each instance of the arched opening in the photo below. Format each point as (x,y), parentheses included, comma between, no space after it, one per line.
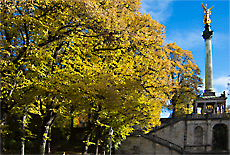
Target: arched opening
(220,137)
(198,135)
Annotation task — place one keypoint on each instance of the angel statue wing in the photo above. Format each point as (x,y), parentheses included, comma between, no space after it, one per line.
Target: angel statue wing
(211,8)
(205,9)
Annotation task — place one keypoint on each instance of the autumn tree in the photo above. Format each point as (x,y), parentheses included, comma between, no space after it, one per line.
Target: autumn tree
(102,58)
(186,74)
(54,53)
(42,61)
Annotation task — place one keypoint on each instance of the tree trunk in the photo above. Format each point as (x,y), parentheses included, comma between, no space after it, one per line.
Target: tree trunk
(103,150)
(23,146)
(49,142)
(46,128)
(89,131)
(174,106)
(173,113)
(99,133)
(103,141)
(86,145)
(97,141)
(71,128)
(23,132)
(3,125)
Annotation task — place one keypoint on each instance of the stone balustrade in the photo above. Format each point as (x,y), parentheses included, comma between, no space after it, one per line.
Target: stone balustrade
(208,116)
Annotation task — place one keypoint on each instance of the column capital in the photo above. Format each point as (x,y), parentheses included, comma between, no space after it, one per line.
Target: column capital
(207,33)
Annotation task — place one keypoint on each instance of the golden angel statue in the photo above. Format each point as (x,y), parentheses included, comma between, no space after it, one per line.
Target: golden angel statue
(207,12)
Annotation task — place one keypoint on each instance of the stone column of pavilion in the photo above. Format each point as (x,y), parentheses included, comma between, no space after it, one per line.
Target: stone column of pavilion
(207,35)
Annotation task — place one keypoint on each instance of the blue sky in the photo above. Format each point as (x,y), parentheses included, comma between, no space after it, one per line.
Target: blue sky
(183,21)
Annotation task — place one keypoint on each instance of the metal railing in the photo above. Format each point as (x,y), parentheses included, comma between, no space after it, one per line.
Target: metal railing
(164,142)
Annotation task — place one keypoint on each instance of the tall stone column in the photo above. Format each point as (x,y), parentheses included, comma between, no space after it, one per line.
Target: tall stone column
(207,35)
(209,135)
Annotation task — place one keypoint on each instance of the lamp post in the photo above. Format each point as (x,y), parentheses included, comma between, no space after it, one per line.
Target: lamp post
(110,133)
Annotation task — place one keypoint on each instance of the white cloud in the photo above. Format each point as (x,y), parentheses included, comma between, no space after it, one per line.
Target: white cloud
(219,84)
(159,9)
(193,38)
(218,93)
(186,40)
(220,40)
(221,81)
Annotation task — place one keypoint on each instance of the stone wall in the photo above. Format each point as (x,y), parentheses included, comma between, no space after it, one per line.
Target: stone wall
(173,133)
(207,134)
(134,145)
(193,134)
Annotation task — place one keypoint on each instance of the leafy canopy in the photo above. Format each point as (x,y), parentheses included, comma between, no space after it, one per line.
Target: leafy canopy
(93,56)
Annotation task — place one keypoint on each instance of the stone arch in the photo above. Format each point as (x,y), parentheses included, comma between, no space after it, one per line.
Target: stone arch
(198,135)
(220,137)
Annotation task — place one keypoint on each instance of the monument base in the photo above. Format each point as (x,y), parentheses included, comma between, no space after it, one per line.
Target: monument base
(209,93)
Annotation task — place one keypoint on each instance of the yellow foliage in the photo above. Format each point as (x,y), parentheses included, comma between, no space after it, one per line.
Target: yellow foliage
(96,56)
(185,74)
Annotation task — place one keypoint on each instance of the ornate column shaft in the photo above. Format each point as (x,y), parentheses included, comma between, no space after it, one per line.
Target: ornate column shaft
(207,35)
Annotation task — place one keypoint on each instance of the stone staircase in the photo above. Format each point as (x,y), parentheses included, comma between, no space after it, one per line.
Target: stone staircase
(172,134)
(170,122)
(163,142)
